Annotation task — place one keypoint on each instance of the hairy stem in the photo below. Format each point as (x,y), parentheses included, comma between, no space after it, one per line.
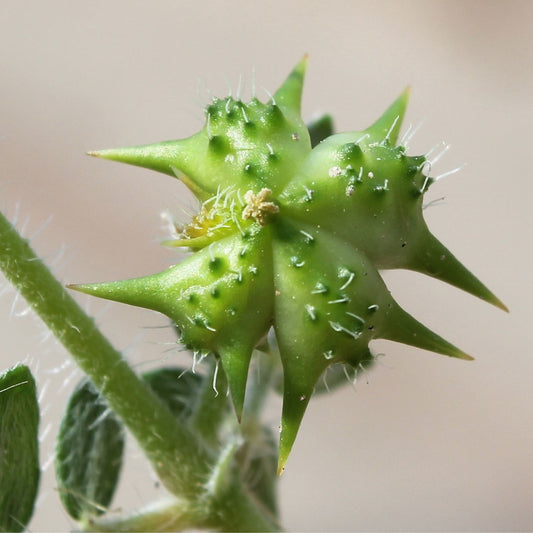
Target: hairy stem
(211,407)
(177,456)
(162,437)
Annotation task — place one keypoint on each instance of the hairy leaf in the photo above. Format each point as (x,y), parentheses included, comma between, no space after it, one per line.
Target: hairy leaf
(89,453)
(19,450)
(175,387)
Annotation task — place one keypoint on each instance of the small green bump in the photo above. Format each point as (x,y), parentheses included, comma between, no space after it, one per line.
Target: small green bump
(350,172)
(192,298)
(416,192)
(312,313)
(249,168)
(238,277)
(349,152)
(341,299)
(229,107)
(215,264)
(274,115)
(218,144)
(381,189)
(417,160)
(215,292)
(308,238)
(231,310)
(244,114)
(271,156)
(320,288)
(215,111)
(203,322)
(309,194)
(297,262)
(411,170)
(329,355)
(346,274)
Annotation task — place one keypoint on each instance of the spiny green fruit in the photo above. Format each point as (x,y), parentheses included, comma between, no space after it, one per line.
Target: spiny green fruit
(292,238)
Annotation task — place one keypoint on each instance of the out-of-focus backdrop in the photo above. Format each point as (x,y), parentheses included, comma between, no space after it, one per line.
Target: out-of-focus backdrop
(423,442)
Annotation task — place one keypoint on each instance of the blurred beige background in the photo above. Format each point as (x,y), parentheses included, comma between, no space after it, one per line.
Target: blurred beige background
(424,443)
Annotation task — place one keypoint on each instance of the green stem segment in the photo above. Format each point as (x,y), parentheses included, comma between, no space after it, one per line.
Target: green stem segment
(163,439)
(211,407)
(178,457)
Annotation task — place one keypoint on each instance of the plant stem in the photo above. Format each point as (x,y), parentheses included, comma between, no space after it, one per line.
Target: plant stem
(211,407)
(164,440)
(165,516)
(177,456)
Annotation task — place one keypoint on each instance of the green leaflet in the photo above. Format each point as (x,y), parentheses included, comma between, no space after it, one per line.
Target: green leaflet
(176,387)
(89,452)
(19,452)
(91,439)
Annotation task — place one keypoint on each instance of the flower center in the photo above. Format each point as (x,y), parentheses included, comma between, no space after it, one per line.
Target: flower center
(258,206)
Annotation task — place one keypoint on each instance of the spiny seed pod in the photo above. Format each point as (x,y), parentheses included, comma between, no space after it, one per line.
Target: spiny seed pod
(292,238)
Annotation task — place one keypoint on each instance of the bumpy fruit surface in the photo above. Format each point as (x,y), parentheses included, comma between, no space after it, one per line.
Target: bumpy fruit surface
(292,238)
